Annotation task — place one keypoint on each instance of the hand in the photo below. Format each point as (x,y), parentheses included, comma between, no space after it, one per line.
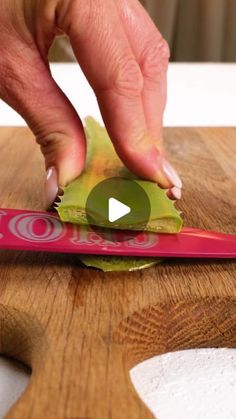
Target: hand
(125,60)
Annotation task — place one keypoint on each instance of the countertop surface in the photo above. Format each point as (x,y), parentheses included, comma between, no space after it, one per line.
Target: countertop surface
(199,95)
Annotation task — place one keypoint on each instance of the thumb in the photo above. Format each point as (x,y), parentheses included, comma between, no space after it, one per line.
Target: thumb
(27,85)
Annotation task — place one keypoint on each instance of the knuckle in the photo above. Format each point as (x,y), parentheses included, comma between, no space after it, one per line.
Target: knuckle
(128,80)
(11,86)
(50,142)
(70,13)
(155,58)
(19,81)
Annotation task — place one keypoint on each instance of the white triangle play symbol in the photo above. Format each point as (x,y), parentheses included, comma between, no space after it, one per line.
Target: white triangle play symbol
(116,210)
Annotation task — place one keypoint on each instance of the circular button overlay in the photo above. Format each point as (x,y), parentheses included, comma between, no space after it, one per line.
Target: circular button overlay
(118,204)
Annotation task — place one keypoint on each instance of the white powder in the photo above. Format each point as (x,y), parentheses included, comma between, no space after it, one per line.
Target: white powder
(193,384)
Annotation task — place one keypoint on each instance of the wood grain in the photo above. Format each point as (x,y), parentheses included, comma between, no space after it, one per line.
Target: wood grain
(80,330)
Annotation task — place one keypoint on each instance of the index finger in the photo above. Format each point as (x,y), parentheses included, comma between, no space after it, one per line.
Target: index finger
(152,54)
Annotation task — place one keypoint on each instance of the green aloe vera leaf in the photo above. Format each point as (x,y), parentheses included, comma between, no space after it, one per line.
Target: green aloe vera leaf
(103,163)
(118,263)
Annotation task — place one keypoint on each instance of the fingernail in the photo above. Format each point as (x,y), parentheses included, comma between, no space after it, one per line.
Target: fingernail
(174,193)
(51,186)
(171,174)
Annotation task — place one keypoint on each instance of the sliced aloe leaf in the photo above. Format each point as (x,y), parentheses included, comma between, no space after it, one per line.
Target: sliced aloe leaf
(102,163)
(118,263)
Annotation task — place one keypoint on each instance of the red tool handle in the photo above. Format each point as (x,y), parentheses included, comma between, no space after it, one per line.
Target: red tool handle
(43,231)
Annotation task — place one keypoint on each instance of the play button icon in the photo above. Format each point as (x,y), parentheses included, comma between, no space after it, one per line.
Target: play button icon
(118,203)
(117,210)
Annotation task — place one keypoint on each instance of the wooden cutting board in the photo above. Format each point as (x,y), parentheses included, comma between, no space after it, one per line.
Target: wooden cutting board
(81,330)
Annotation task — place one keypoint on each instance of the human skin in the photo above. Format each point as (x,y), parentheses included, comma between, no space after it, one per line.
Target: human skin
(125,60)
